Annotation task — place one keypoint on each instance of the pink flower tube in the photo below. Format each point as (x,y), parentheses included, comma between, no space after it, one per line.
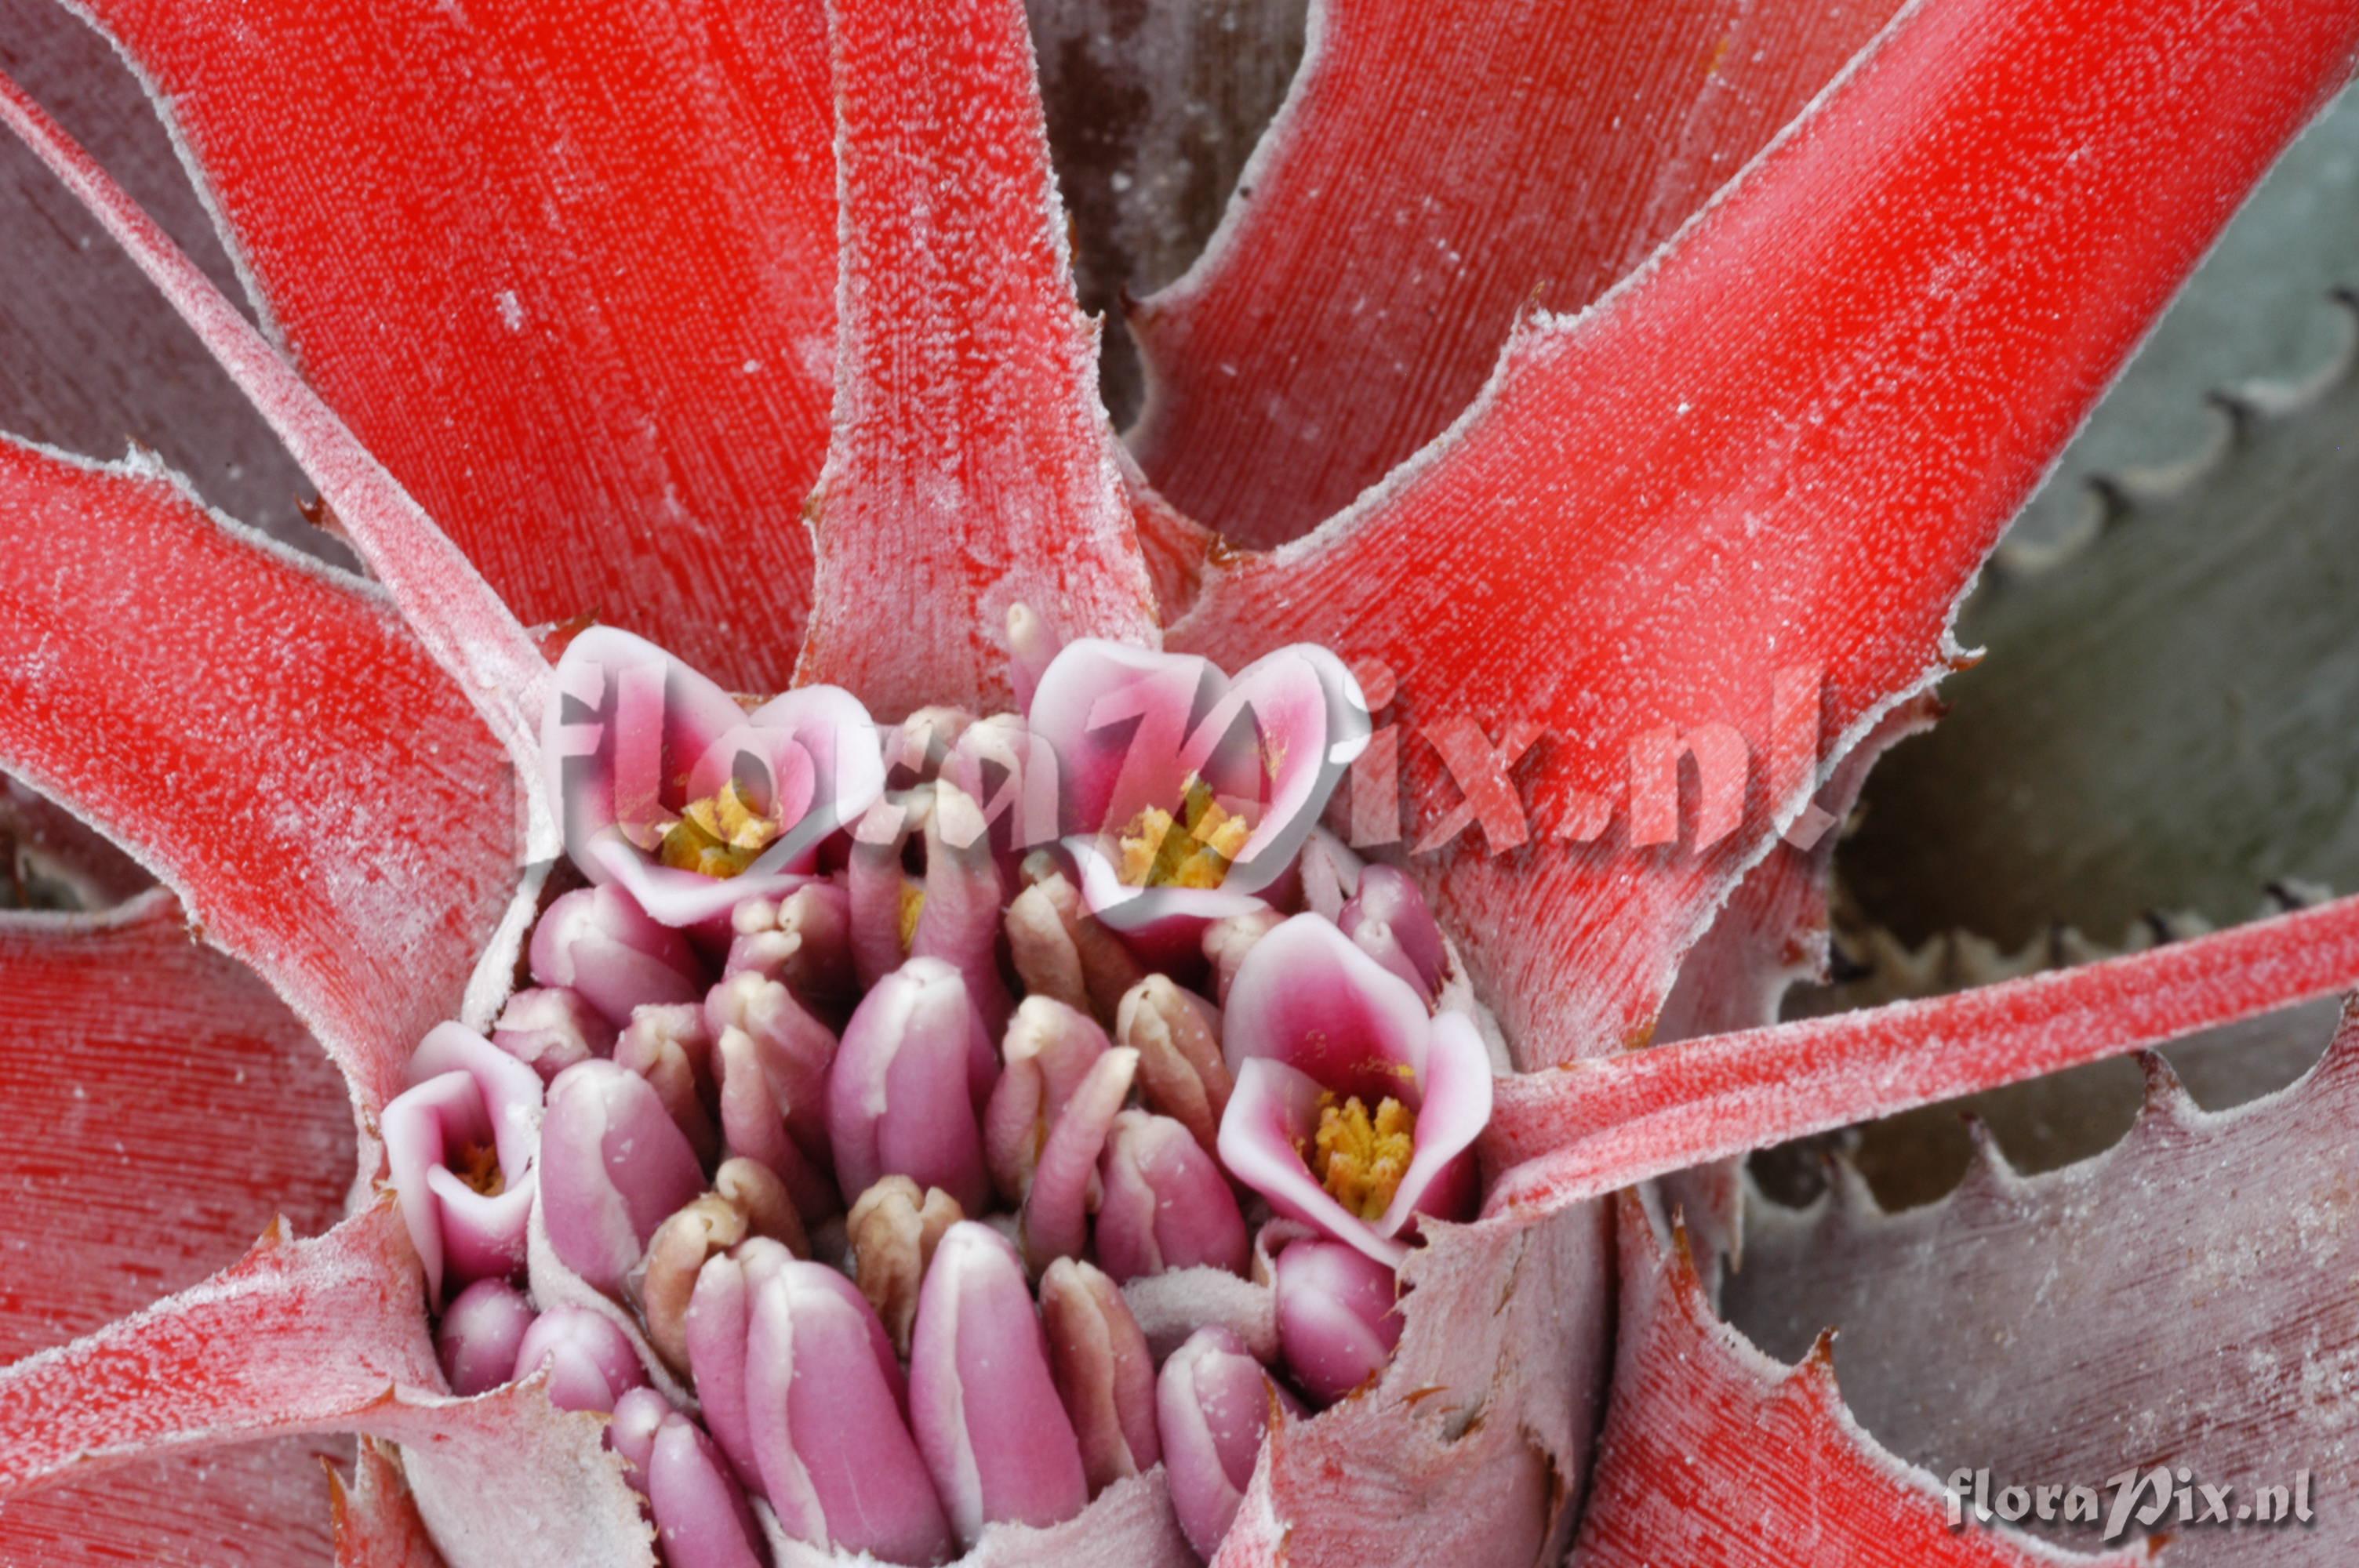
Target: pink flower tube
(1355,1107)
(664,785)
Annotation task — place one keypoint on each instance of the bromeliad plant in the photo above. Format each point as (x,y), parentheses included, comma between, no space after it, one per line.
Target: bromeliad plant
(1177,1185)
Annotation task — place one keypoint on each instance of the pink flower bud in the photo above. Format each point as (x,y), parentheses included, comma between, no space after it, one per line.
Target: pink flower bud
(614,1167)
(1177,1035)
(803,941)
(638,1415)
(1060,950)
(1104,1370)
(1227,942)
(1164,1203)
(902,1092)
(1329,871)
(461,1148)
(1049,1049)
(794,1048)
(596,942)
(1338,1316)
(1213,1405)
(981,1401)
(822,1410)
(1389,920)
(1055,1211)
(949,910)
(590,1359)
(550,1028)
(702,1515)
(754,1124)
(479,1335)
(670,1047)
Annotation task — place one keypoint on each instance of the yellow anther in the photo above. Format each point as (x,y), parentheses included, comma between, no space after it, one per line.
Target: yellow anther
(1359,1158)
(1192,851)
(478,1165)
(913,905)
(717,836)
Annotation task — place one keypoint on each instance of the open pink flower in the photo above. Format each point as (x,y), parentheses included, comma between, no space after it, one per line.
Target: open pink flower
(1354,1109)
(1191,791)
(462,1144)
(664,785)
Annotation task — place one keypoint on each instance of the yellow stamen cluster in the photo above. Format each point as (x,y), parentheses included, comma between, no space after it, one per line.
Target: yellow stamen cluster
(478,1165)
(717,836)
(913,905)
(1193,851)
(1360,1158)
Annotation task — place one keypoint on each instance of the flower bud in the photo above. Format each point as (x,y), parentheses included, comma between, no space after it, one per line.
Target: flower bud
(795,1050)
(1055,1211)
(903,1091)
(670,1048)
(638,1415)
(951,911)
(754,1124)
(614,1167)
(755,1191)
(590,1359)
(1389,920)
(1177,1035)
(822,1411)
(597,942)
(550,1028)
(461,1149)
(1164,1203)
(1049,1049)
(1213,1405)
(982,1400)
(1330,869)
(1061,951)
(1338,1316)
(894,1231)
(702,1515)
(1104,1372)
(676,1254)
(1227,941)
(479,1335)
(803,941)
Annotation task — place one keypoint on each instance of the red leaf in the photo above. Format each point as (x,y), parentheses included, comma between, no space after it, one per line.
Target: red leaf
(264,1503)
(296,1336)
(569,273)
(1714,1457)
(377,1523)
(449,607)
(265,737)
(1400,215)
(1592,1127)
(971,466)
(1786,446)
(162,1106)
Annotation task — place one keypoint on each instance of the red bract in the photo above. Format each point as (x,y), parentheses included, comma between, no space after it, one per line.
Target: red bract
(568,294)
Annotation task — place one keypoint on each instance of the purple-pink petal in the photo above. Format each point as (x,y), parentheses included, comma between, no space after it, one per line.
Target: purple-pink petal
(589,1360)
(1338,1319)
(599,943)
(982,1403)
(479,1335)
(1213,1404)
(902,1093)
(1164,1203)
(613,1166)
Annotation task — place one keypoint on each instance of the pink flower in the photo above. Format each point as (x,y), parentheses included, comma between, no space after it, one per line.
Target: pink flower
(1356,1110)
(1191,791)
(461,1145)
(690,802)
